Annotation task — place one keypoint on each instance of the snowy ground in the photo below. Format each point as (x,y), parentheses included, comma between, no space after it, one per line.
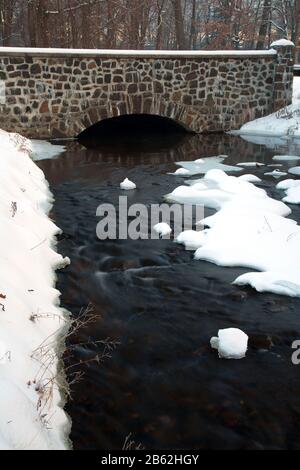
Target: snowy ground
(31,321)
(285,122)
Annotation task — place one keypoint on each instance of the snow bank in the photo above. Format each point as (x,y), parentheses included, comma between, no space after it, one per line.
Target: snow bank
(285,122)
(250,230)
(127,184)
(231,343)
(31,414)
(292,189)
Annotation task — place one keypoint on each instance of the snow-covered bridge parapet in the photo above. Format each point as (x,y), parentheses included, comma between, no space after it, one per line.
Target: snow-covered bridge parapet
(284,74)
(60,92)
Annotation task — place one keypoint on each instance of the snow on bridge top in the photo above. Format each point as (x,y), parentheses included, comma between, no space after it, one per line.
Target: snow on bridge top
(58,52)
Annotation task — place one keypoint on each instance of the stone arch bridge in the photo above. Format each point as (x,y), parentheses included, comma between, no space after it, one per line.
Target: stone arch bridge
(48,93)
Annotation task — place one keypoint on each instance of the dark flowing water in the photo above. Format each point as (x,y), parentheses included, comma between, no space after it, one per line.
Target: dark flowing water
(163,385)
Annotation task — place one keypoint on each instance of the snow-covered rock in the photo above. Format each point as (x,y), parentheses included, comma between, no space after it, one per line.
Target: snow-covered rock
(231,343)
(250,164)
(217,188)
(250,178)
(162,229)
(181,172)
(202,165)
(127,184)
(292,190)
(191,239)
(31,414)
(295,170)
(284,158)
(276,173)
(249,230)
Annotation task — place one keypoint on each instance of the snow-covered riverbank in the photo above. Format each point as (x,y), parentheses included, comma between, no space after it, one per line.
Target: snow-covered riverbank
(283,123)
(31,322)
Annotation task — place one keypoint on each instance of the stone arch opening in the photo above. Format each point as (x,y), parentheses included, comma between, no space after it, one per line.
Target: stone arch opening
(134,130)
(132,124)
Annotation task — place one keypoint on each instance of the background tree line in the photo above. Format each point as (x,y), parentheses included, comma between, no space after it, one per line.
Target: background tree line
(148,24)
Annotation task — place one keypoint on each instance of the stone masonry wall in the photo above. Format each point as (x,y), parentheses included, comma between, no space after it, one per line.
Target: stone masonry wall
(50,94)
(283,77)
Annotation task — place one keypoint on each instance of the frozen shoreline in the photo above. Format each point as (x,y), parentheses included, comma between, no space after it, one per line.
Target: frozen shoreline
(32,324)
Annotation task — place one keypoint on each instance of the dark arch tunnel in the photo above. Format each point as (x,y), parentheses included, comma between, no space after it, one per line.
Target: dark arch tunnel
(135,132)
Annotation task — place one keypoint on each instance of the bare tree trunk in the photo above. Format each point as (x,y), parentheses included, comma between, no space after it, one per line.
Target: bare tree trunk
(160,26)
(179,25)
(264,24)
(6,17)
(133,23)
(192,41)
(111,28)
(297,32)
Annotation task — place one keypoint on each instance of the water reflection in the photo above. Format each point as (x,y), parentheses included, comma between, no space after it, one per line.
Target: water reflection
(284,145)
(81,161)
